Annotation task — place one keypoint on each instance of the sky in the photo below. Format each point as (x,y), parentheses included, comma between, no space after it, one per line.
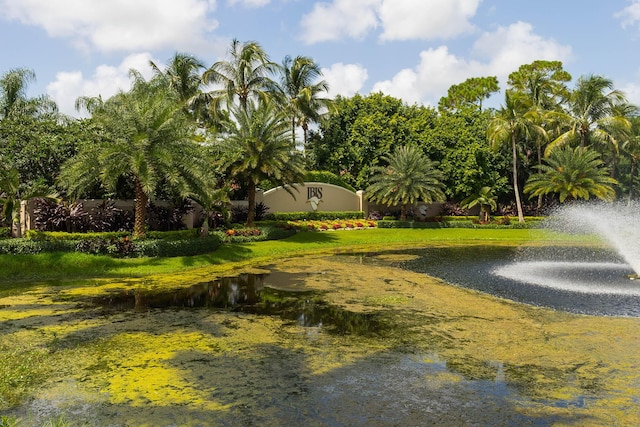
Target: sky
(410,49)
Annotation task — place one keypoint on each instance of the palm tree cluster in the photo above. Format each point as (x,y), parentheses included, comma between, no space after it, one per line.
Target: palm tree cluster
(193,129)
(578,134)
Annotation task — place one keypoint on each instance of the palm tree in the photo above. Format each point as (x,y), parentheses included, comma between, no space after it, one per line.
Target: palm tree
(409,176)
(592,114)
(259,148)
(244,76)
(13,95)
(212,200)
(483,198)
(544,83)
(183,74)
(516,119)
(573,173)
(148,140)
(299,92)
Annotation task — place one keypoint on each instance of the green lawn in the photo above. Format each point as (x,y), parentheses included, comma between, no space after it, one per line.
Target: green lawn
(21,270)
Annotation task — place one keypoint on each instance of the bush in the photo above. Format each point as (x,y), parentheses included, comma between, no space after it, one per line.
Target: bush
(239,214)
(458,223)
(167,218)
(30,247)
(322,216)
(53,236)
(5,232)
(123,247)
(64,216)
(172,248)
(173,235)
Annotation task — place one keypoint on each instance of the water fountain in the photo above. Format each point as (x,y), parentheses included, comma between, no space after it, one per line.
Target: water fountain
(602,272)
(591,278)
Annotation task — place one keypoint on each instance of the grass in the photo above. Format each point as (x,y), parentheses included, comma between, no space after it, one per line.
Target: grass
(25,270)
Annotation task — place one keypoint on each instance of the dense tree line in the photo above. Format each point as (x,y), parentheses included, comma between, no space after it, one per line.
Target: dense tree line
(245,121)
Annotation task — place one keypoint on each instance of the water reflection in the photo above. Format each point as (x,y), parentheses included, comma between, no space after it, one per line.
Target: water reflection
(253,293)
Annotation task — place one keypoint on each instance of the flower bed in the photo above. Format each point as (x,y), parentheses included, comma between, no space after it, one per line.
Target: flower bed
(328,225)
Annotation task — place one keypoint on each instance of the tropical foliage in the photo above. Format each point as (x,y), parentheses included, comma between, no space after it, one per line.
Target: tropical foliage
(245,121)
(147,141)
(573,173)
(485,199)
(259,148)
(409,176)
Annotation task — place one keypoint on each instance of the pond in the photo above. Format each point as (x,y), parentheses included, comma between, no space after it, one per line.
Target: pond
(363,339)
(574,279)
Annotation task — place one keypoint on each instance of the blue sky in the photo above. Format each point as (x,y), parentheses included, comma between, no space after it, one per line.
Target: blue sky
(410,49)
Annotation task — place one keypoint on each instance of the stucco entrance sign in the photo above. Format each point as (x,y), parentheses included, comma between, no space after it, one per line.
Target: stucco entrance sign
(312,197)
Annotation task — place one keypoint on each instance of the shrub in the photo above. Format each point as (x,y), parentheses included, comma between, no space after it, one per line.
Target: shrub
(173,235)
(64,216)
(106,217)
(167,218)
(322,216)
(5,232)
(172,248)
(60,235)
(30,247)
(239,213)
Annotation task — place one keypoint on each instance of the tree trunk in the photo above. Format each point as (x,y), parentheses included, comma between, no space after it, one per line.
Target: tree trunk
(516,188)
(539,165)
(403,213)
(305,131)
(139,224)
(251,209)
(204,231)
(631,173)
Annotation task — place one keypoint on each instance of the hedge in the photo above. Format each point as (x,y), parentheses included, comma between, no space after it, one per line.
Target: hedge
(56,236)
(322,216)
(453,224)
(156,244)
(172,248)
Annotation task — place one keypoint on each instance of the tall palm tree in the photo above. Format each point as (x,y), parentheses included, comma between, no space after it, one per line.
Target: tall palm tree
(148,140)
(516,119)
(592,116)
(408,177)
(300,92)
(245,75)
(544,83)
(573,173)
(183,74)
(13,95)
(259,147)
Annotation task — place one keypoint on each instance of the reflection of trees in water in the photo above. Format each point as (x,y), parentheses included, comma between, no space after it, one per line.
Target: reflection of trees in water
(247,293)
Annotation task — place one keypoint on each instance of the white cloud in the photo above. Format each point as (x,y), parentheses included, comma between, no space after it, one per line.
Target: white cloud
(344,79)
(510,47)
(250,3)
(333,21)
(105,81)
(399,19)
(411,19)
(500,52)
(429,80)
(630,15)
(118,25)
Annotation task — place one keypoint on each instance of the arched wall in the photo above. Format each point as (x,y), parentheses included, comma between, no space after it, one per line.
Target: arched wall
(309,195)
